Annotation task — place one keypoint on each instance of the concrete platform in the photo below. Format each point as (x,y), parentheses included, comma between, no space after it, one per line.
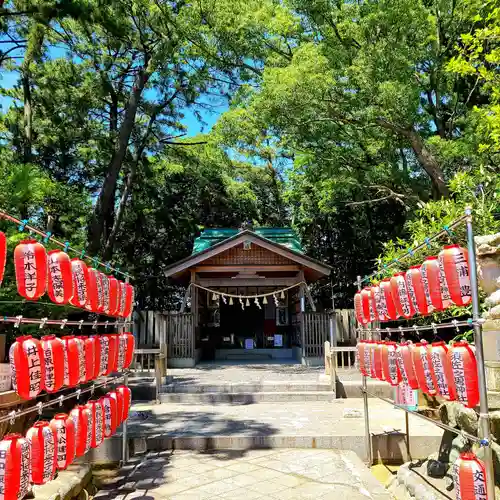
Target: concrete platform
(239,397)
(338,424)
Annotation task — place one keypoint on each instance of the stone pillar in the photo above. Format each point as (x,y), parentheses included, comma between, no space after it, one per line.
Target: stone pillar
(491,343)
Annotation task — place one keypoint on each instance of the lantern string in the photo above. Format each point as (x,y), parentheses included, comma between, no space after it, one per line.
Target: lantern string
(41,406)
(19,320)
(433,326)
(47,236)
(260,295)
(446,231)
(470,437)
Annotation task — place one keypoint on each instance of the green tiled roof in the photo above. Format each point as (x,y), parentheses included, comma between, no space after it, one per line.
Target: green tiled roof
(282,235)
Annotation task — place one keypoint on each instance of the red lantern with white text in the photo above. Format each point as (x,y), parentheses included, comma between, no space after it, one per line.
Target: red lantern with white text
(60,283)
(89,353)
(82,418)
(129,300)
(54,357)
(464,366)
(129,340)
(454,260)
(379,305)
(423,368)
(30,261)
(122,298)
(378,360)
(362,351)
(75,360)
(372,347)
(97,356)
(358,308)
(64,429)
(105,293)
(114,299)
(118,397)
(401,297)
(432,281)
(95,299)
(3,254)
(416,290)
(27,366)
(112,353)
(42,441)
(404,357)
(104,341)
(110,415)
(366,301)
(97,430)
(443,373)
(80,277)
(389,364)
(15,467)
(127,400)
(469,476)
(385,288)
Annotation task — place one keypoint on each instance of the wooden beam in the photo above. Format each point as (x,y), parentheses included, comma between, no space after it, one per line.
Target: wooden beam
(260,282)
(246,269)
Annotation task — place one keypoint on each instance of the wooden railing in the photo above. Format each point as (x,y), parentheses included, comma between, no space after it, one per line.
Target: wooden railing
(150,363)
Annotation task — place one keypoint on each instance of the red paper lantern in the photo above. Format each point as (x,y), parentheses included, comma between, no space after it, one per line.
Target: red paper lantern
(42,441)
(416,290)
(469,476)
(127,400)
(366,302)
(362,352)
(80,276)
(114,296)
(30,261)
(97,356)
(64,430)
(385,288)
(443,373)
(377,360)
(54,369)
(423,368)
(60,283)
(464,366)
(400,296)
(129,341)
(129,300)
(89,357)
(122,351)
(105,293)
(110,415)
(404,357)
(390,367)
(75,364)
(372,347)
(95,301)
(112,365)
(358,308)
(104,342)
(14,467)
(379,303)
(82,418)
(3,255)
(454,260)
(118,397)
(97,434)
(27,366)
(431,279)
(122,298)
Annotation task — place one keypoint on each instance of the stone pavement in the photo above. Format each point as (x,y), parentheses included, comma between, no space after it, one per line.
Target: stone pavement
(254,474)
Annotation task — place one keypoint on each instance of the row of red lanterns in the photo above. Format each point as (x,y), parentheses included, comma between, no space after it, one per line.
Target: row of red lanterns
(433,286)
(51,363)
(436,369)
(51,446)
(66,281)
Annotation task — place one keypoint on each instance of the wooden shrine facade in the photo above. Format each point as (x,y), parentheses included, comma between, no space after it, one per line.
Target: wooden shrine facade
(225,315)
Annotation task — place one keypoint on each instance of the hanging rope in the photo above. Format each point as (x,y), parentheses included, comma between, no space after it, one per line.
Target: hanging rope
(279,292)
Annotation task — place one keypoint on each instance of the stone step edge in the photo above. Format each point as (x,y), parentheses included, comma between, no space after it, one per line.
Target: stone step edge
(197,396)
(243,388)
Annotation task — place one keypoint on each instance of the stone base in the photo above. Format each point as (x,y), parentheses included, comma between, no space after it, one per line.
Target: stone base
(68,484)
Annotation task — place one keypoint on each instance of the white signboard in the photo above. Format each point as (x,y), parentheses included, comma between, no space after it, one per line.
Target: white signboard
(406,396)
(248,343)
(278,340)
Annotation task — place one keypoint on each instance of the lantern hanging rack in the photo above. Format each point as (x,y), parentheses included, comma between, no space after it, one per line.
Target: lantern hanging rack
(39,407)
(19,320)
(466,435)
(447,230)
(416,328)
(47,236)
(260,295)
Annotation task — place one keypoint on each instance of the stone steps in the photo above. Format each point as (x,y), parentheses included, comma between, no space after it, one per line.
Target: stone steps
(244,388)
(244,398)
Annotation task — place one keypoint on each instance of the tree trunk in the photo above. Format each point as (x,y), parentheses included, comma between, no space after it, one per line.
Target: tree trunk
(106,199)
